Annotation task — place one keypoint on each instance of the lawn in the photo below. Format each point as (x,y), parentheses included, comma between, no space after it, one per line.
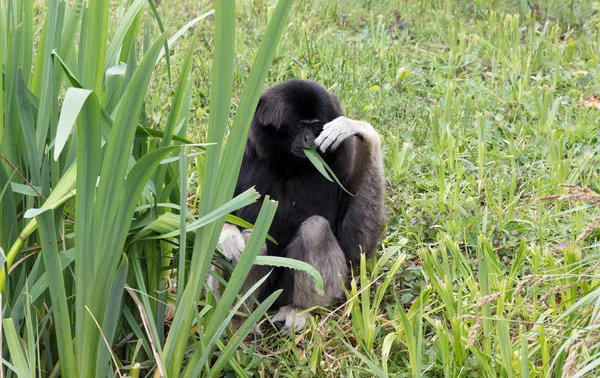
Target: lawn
(485,108)
(489,264)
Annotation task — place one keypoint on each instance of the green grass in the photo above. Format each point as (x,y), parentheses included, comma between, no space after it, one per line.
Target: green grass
(481,106)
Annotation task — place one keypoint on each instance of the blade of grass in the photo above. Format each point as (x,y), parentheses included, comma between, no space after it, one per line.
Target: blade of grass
(124,26)
(374,369)
(254,86)
(243,199)
(286,262)
(48,96)
(93,45)
(28,128)
(70,29)
(207,349)
(253,246)
(17,354)
(313,156)
(2,22)
(171,42)
(152,338)
(89,141)
(28,45)
(175,111)
(112,317)
(116,157)
(241,333)
(74,101)
(323,167)
(162,31)
(242,223)
(183,164)
(206,240)
(47,232)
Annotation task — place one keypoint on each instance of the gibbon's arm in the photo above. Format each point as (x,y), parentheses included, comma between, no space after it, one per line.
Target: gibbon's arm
(362,223)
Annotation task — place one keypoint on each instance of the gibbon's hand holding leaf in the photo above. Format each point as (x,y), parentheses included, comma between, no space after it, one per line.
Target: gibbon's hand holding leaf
(335,132)
(338,130)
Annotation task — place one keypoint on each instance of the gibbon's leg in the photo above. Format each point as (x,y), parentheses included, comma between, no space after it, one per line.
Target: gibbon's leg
(316,245)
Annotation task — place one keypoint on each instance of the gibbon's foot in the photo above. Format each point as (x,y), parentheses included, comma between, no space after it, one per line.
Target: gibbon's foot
(290,318)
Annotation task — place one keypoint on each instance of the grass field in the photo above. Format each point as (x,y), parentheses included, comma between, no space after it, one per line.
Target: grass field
(484,110)
(489,264)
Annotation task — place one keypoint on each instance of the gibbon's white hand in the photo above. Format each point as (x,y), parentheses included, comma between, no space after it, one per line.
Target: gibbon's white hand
(232,243)
(335,132)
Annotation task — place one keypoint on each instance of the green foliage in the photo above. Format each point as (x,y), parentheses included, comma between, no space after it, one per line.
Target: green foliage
(89,195)
(484,108)
(480,105)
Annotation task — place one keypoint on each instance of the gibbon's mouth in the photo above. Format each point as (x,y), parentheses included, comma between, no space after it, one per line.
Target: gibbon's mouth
(299,152)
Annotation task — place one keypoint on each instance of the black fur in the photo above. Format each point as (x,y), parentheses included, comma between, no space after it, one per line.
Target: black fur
(290,116)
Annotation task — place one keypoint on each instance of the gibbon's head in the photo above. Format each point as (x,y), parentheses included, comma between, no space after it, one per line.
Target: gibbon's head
(290,116)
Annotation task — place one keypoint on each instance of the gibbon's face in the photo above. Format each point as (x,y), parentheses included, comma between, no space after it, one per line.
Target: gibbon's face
(302,134)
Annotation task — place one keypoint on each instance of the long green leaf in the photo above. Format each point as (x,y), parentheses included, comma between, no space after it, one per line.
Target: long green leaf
(116,160)
(117,40)
(28,46)
(286,262)
(70,29)
(136,180)
(206,240)
(242,223)
(84,103)
(171,42)
(373,369)
(41,282)
(144,132)
(17,354)
(48,92)
(58,294)
(243,199)
(89,141)
(241,333)
(93,45)
(2,22)
(313,156)
(112,317)
(146,312)
(242,268)
(74,101)
(182,221)
(323,167)
(200,363)
(174,113)
(161,28)
(220,99)
(239,131)
(28,128)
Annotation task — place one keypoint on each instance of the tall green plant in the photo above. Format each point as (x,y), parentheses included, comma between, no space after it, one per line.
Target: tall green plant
(221,170)
(96,187)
